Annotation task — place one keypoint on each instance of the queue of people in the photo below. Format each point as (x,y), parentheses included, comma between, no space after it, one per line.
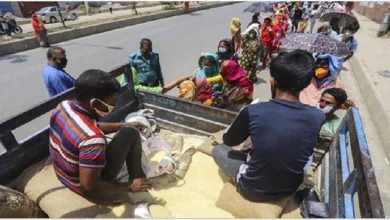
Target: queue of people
(305,89)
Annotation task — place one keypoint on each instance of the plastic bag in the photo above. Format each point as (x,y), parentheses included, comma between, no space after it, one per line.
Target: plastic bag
(143,116)
(157,158)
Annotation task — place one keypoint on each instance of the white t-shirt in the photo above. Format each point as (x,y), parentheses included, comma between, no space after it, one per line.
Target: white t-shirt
(109,4)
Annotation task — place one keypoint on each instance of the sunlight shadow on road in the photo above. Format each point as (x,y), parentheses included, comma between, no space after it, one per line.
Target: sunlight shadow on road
(260,81)
(14,58)
(93,45)
(195,13)
(344,69)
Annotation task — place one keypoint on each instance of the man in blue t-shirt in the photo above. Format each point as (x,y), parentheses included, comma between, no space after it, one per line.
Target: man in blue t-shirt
(283,132)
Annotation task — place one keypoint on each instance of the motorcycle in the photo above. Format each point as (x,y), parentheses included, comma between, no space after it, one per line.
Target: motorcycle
(9,25)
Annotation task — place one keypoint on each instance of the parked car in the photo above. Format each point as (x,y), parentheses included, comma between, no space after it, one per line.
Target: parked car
(50,14)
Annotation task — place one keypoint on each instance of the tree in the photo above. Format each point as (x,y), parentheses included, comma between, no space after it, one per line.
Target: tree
(60,16)
(134,7)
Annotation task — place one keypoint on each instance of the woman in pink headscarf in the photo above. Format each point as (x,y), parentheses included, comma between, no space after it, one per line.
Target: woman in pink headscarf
(237,88)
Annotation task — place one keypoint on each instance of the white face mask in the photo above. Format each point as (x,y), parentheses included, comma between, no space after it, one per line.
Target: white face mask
(348,34)
(101,113)
(323,107)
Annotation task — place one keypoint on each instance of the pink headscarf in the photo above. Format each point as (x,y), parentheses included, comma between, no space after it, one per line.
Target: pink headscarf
(233,73)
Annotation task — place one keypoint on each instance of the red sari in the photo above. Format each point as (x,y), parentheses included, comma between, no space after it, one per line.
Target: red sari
(267,37)
(186,7)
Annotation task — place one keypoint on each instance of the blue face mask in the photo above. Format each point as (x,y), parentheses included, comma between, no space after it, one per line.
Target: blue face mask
(208,70)
(222,50)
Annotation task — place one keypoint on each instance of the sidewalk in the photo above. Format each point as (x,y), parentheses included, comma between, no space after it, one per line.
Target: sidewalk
(27,28)
(373,52)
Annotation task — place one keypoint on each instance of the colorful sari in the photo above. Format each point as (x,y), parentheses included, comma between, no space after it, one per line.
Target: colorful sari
(40,31)
(238,86)
(205,73)
(250,54)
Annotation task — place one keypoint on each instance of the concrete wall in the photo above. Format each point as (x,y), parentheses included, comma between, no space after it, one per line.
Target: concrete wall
(374,10)
(32,43)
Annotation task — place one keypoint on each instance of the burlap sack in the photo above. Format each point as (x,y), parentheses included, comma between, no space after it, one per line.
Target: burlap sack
(14,204)
(126,211)
(232,201)
(39,182)
(292,210)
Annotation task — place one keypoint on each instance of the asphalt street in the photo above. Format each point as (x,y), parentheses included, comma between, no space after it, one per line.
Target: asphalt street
(179,40)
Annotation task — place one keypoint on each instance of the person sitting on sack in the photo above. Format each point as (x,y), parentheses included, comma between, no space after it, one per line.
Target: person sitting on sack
(283,132)
(82,159)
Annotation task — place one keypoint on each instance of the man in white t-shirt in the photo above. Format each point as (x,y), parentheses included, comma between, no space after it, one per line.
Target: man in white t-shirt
(110,6)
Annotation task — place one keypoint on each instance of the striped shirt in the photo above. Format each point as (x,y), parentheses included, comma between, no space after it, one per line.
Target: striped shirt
(75,141)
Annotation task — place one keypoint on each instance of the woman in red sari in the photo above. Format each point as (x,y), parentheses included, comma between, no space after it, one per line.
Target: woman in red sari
(186,7)
(267,37)
(40,31)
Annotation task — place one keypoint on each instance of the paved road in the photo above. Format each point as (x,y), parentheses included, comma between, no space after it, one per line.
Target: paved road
(179,40)
(106,15)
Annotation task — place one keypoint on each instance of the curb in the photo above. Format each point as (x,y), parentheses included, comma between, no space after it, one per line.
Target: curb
(83,13)
(378,114)
(32,43)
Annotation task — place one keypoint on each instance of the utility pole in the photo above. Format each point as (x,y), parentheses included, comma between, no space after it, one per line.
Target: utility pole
(86,7)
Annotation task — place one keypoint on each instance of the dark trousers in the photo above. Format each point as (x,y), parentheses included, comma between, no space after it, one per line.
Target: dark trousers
(111,10)
(229,160)
(125,147)
(154,84)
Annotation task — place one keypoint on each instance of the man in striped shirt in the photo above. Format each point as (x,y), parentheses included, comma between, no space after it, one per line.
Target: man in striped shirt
(81,157)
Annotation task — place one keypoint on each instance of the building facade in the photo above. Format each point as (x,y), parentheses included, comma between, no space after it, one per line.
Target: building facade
(376,11)
(24,9)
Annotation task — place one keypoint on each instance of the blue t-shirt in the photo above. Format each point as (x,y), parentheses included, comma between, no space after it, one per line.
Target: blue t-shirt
(283,135)
(56,80)
(352,43)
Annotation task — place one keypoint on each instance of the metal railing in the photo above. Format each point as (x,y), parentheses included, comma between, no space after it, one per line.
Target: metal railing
(346,170)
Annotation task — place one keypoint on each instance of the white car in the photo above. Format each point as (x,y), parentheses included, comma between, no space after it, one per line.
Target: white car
(50,14)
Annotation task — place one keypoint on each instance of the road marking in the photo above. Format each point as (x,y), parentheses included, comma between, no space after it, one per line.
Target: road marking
(387,161)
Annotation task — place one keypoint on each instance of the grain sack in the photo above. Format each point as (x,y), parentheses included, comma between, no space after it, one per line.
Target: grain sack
(126,211)
(39,182)
(232,201)
(292,210)
(191,197)
(14,204)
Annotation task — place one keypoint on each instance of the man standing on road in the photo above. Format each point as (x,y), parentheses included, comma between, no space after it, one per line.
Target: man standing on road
(82,159)
(109,6)
(147,64)
(55,78)
(283,133)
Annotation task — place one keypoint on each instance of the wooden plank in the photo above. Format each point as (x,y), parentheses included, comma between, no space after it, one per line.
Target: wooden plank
(43,107)
(193,108)
(14,162)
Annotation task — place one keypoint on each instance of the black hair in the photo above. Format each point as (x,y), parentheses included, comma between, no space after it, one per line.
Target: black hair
(95,83)
(229,49)
(51,52)
(293,71)
(323,62)
(145,41)
(353,27)
(338,94)
(316,6)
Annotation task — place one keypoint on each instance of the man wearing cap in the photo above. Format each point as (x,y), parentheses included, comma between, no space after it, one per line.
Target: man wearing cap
(147,64)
